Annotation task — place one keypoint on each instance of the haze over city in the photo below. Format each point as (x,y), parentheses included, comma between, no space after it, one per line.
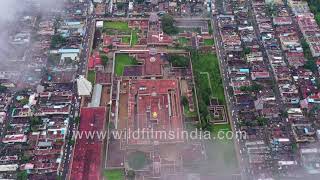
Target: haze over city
(160,89)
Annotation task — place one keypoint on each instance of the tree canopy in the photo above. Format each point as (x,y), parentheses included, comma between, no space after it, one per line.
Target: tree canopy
(22,175)
(104,59)
(120,5)
(3,88)
(315,9)
(184,100)
(139,1)
(178,60)
(253,88)
(137,160)
(57,40)
(35,121)
(262,121)
(167,23)
(311,65)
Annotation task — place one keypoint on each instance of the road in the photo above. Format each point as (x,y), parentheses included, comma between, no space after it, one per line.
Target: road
(232,110)
(82,70)
(265,56)
(239,144)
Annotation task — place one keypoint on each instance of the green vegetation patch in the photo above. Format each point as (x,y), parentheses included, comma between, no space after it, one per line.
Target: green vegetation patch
(22,175)
(208,42)
(134,37)
(203,63)
(187,112)
(125,39)
(220,128)
(92,76)
(168,26)
(178,60)
(104,59)
(123,60)
(57,41)
(3,88)
(208,84)
(137,160)
(183,41)
(118,25)
(210,27)
(116,174)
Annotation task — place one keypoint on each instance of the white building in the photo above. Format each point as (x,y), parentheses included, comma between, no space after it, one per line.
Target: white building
(84,86)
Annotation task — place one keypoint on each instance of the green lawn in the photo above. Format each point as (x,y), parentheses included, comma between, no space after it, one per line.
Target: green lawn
(118,25)
(134,37)
(121,61)
(208,42)
(220,151)
(113,174)
(188,113)
(125,39)
(92,76)
(183,41)
(208,63)
(220,128)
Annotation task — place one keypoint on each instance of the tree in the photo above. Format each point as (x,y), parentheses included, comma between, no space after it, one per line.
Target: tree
(139,1)
(178,60)
(131,174)
(24,101)
(230,91)
(10,127)
(137,160)
(315,109)
(111,125)
(57,40)
(306,49)
(184,101)
(262,121)
(57,22)
(284,114)
(25,159)
(313,8)
(120,5)
(72,142)
(253,88)
(3,89)
(77,120)
(35,121)
(271,10)
(294,147)
(318,83)
(311,65)
(247,50)
(22,175)
(244,88)
(104,59)
(167,23)
(317,17)
(256,87)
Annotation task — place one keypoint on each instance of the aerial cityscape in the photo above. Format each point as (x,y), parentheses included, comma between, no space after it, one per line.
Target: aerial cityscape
(160,89)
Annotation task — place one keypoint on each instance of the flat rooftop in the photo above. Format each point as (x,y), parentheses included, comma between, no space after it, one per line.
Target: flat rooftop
(87,159)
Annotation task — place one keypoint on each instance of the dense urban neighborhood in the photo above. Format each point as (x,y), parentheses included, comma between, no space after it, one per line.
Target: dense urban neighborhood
(160,89)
